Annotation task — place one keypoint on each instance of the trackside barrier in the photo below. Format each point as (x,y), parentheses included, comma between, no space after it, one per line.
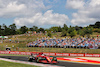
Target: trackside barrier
(51,54)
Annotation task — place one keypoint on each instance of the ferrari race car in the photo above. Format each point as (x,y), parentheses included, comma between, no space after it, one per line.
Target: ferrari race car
(40,57)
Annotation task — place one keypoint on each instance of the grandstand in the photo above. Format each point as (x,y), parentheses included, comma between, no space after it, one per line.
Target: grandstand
(88,43)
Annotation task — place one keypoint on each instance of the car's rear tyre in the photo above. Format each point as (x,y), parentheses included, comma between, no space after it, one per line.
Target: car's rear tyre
(54,59)
(38,59)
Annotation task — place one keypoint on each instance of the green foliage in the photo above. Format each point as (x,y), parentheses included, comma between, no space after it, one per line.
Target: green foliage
(88,30)
(34,28)
(77,28)
(64,33)
(23,29)
(49,34)
(59,29)
(4,30)
(82,33)
(71,29)
(65,27)
(47,30)
(88,35)
(41,29)
(73,33)
(18,31)
(96,30)
(54,29)
(97,24)
(13,29)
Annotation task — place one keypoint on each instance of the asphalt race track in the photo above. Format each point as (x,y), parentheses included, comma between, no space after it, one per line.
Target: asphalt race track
(65,64)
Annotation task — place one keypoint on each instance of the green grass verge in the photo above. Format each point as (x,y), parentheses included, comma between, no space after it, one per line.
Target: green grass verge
(58,50)
(61,50)
(11,64)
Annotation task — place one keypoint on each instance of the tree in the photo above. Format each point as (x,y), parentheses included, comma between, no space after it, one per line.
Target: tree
(77,28)
(47,30)
(5,30)
(34,28)
(59,29)
(13,29)
(98,30)
(88,31)
(73,33)
(65,27)
(70,30)
(64,33)
(54,29)
(0,31)
(82,33)
(97,24)
(31,29)
(18,31)
(23,29)
(49,34)
(41,29)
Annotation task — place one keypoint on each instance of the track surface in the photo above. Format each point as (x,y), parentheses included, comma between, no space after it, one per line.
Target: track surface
(65,64)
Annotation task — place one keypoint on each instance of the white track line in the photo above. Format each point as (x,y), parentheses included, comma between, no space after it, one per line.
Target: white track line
(30,63)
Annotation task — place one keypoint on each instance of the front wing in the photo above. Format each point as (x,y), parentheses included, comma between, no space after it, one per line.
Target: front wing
(45,61)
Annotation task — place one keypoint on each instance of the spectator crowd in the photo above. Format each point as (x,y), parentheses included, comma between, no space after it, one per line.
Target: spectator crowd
(88,43)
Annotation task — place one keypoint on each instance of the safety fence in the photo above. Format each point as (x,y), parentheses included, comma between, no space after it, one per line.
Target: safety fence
(52,54)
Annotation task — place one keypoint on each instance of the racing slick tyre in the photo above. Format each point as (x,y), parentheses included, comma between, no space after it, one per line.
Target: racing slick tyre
(38,59)
(30,58)
(54,59)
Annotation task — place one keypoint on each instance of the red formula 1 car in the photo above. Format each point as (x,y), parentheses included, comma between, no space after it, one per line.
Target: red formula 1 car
(40,57)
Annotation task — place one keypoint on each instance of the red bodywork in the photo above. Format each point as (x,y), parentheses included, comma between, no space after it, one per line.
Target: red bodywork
(44,58)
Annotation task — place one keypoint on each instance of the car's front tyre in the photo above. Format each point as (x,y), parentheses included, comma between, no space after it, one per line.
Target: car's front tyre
(30,58)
